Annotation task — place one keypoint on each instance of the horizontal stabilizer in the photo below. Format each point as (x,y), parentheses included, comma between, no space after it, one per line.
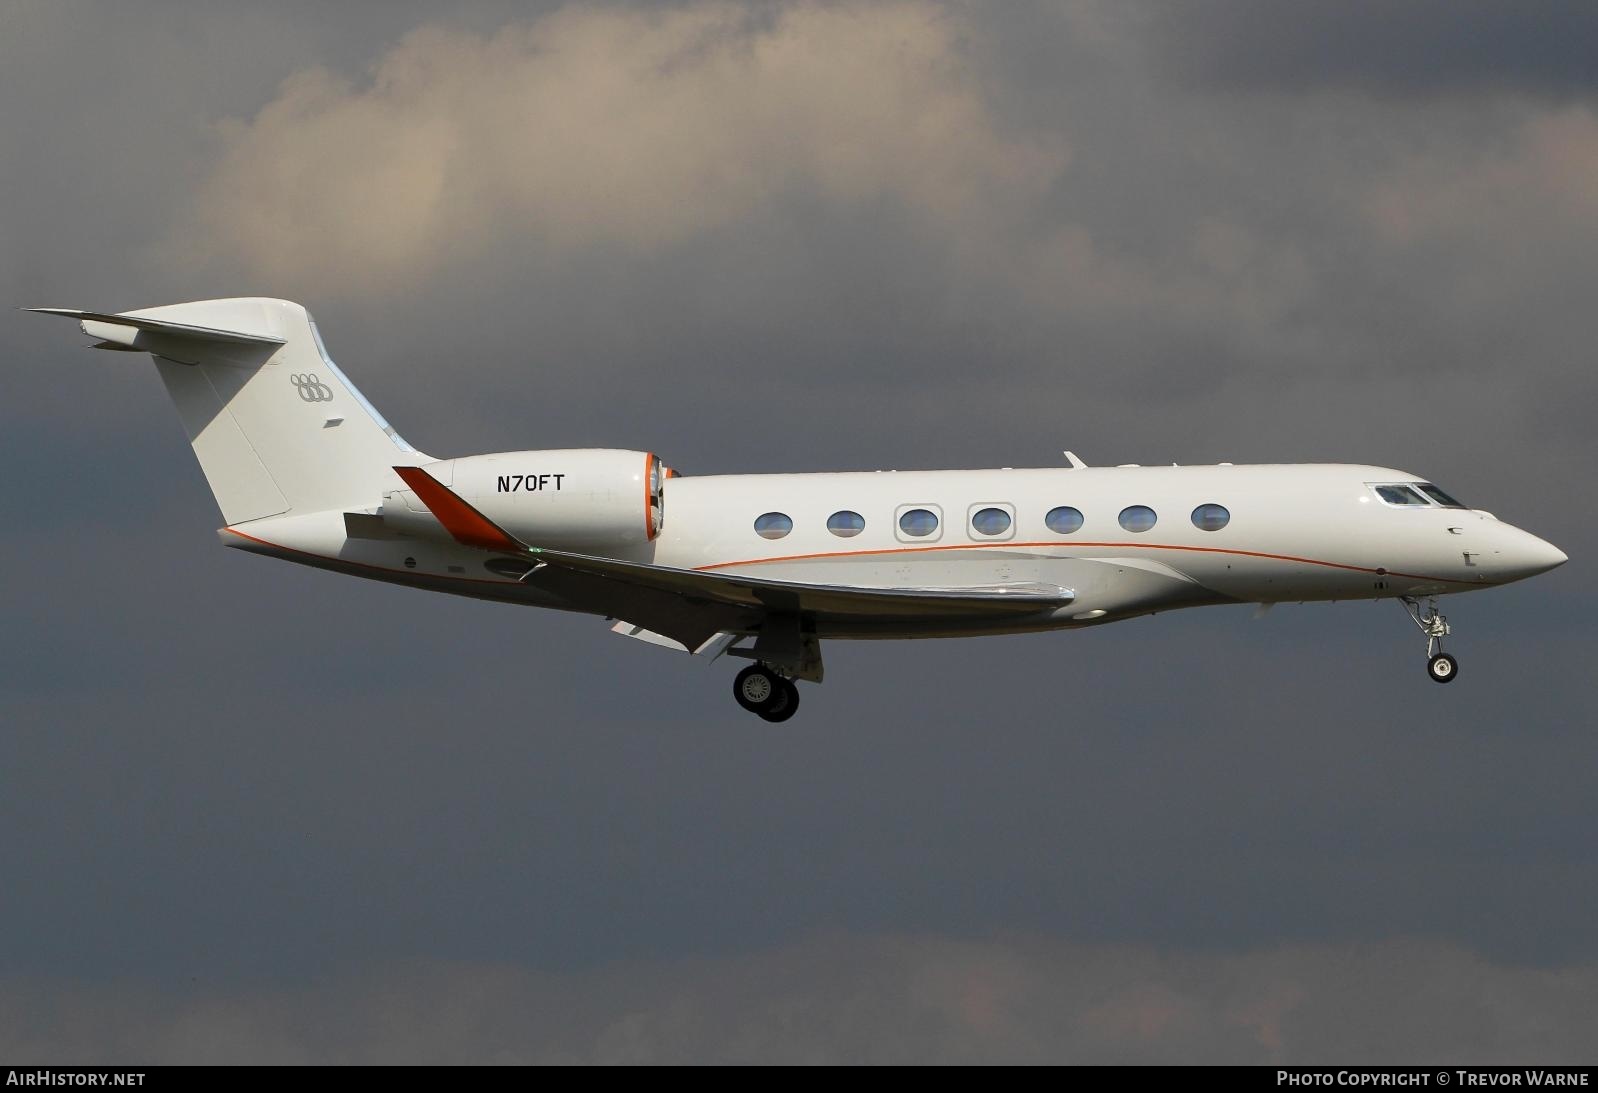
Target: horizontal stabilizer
(157,326)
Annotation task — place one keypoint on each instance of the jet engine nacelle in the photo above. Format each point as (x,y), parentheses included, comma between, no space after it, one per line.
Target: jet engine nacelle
(587,500)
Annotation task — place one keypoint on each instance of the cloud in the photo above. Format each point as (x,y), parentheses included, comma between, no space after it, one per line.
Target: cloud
(1418,48)
(783,237)
(1019,210)
(1538,181)
(602,127)
(859,999)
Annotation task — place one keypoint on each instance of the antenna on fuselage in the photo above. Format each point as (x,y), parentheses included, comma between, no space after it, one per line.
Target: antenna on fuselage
(1075,461)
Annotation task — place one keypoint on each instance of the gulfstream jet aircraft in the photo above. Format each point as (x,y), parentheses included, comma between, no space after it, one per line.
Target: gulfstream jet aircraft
(765,567)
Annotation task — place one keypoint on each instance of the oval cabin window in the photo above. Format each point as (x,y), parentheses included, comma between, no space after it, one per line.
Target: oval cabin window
(919,522)
(773,525)
(990,521)
(1064,520)
(1136,518)
(846,524)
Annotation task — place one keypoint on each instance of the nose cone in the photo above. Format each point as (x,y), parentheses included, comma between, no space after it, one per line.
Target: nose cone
(1525,555)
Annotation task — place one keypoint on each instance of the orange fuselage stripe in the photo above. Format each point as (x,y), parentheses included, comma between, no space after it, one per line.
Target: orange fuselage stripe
(1116,546)
(910,550)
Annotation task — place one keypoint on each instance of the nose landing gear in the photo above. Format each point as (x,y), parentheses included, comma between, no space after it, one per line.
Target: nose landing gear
(1439,665)
(761,690)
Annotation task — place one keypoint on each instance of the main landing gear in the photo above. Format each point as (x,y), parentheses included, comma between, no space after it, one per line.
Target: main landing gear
(1439,665)
(784,651)
(761,690)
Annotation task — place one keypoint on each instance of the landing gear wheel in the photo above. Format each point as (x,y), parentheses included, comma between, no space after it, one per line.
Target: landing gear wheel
(784,703)
(1439,665)
(756,688)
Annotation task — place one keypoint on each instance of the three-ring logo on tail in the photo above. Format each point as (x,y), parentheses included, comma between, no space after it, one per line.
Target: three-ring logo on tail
(310,388)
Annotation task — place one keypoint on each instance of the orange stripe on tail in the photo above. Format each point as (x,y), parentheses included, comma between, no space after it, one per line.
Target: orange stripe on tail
(470,527)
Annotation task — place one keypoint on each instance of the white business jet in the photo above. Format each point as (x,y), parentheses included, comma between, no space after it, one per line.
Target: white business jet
(763,567)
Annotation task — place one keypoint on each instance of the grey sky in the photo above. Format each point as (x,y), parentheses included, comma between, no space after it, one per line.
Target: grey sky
(259,812)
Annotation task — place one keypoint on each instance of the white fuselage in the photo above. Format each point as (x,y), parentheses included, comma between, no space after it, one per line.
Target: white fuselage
(1293,533)
(304,468)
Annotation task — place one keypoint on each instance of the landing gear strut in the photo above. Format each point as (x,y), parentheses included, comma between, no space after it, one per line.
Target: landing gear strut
(761,690)
(1439,665)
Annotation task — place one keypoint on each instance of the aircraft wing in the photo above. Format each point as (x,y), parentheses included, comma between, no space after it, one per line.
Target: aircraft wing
(691,606)
(832,601)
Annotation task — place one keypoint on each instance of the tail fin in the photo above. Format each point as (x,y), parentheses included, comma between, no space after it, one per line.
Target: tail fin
(275,424)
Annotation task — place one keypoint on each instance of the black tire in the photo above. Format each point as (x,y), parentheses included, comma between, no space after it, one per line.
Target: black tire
(1442,668)
(756,688)
(785,705)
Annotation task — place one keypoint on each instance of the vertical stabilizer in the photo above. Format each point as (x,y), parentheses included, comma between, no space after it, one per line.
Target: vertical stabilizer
(275,424)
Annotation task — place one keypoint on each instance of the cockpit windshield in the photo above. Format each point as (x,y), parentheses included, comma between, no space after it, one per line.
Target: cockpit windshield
(1414,495)
(1438,495)
(1399,495)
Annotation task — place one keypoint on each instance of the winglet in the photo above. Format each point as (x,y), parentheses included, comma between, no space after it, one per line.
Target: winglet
(470,527)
